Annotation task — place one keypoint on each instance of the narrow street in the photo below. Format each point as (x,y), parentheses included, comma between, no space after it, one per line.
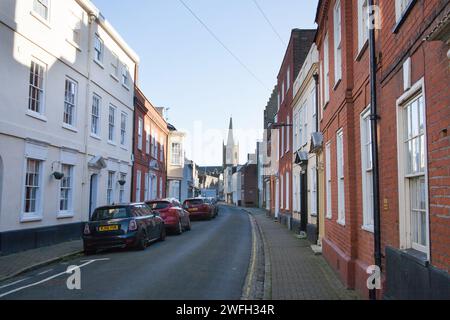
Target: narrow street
(209,262)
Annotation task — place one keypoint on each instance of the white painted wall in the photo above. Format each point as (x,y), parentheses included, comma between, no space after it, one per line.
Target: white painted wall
(24,36)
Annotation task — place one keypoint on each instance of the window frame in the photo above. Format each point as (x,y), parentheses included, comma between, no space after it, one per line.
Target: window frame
(340,175)
(99,55)
(363,28)
(328,181)
(46,6)
(366,170)
(37,214)
(172,160)
(97,116)
(123,176)
(337,35)
(110,187)
(326,70)
(416,92)
(112,126)
(41,90)
(72,104)
(140,133)
(68,212)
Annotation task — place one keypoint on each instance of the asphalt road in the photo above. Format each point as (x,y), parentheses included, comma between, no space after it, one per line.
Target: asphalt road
(208,263)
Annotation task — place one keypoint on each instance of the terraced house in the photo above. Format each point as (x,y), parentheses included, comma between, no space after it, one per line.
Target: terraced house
(66,125)
(406,96)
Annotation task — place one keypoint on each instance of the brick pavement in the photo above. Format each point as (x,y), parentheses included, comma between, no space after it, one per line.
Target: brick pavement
(296,273)
(14,264)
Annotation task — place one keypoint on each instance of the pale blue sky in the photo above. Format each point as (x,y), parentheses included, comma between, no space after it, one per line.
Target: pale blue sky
(185,69)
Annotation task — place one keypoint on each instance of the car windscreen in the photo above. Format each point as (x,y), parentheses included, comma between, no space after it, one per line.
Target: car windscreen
(193,202)
(110,213)
(158,205)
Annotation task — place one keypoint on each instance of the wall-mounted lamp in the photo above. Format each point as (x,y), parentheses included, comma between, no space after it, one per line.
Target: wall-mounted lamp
(58,175)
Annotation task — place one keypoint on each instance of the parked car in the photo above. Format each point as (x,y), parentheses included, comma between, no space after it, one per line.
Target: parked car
(199,208)
(123,226)
(176,219)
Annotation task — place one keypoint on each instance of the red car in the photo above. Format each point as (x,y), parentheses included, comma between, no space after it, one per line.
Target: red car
(199,208)
(175,218)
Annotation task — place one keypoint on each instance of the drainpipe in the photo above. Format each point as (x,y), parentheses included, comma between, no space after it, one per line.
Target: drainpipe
(375,177)
(87,129)
(316,83)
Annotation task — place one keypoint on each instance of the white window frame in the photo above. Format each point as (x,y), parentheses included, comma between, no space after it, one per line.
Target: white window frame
(69,188)
(326,70)
(282,191)
(287,191)
(313,193)
(95,118)
(138,185)
(283,86)
(46,5)
(337,22)
(147,140)
(125,76)
(328,178)
(99,51)
(140,132)
(417,90)
(40,87)
(400,8)
(366,171)
(340,162)
(112,125)
(37,213)
(68,104)
(123,129)
(146,184)
(178,153)
(288,78)
(282,141)
(115,62)
(110,187)
(363,27)
(288,134)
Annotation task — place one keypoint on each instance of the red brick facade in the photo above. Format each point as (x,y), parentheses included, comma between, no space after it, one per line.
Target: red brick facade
(349,247)
(295,55)
(151,153)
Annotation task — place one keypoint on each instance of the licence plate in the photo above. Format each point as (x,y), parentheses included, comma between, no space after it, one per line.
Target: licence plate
(108,228)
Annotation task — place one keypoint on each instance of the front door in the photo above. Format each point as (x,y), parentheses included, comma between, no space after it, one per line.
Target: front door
(93,194)
(303,201)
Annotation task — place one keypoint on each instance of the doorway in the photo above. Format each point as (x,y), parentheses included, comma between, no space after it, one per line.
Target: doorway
(303,201)
(93,193)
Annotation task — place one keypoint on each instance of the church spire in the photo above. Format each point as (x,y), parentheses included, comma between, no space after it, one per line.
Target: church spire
(231,123)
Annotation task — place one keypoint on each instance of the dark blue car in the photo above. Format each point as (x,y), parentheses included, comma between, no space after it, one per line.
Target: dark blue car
(122,226)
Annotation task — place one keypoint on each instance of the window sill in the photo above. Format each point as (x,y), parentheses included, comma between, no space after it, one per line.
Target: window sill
(36,115)
(40,19)
(342,223)
(114,77)
(69,127)
(337,84)
(368,229)
(96,137)
(65,215)
(329,217)
(112,143)
(73,44)
(99,63)
(126,87)
(405,15)
(124,148)
(362,50)
(28,217)
(325,105)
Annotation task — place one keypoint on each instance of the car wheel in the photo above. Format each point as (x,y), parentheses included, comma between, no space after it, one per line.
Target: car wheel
(162,236)
(180,228)
(142,243)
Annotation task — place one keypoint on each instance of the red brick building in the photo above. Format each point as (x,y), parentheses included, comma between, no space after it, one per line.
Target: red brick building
(414,115)
(296,52)
(149,150)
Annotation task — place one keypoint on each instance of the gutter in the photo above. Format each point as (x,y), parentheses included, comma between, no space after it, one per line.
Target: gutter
(374,135)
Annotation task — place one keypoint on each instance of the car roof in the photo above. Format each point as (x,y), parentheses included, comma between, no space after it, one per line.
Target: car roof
(121,205)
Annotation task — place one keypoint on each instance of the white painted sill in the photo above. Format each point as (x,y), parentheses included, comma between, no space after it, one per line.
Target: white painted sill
(36,115)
